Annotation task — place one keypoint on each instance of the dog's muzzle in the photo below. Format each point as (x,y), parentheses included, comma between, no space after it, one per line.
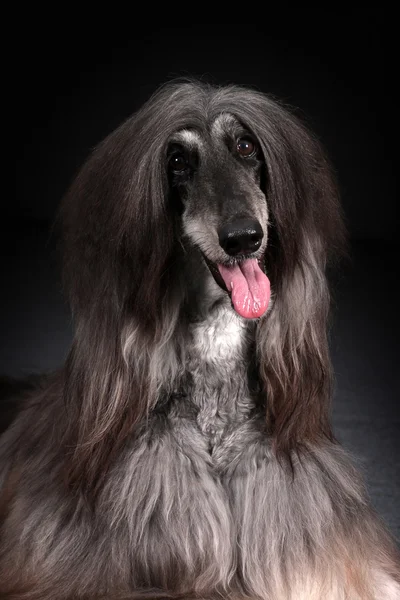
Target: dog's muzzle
(244,278)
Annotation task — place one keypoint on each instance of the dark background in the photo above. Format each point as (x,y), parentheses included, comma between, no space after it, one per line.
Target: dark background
(72,86)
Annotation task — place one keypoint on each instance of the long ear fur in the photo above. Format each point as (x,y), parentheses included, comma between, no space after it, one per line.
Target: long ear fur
(306,233)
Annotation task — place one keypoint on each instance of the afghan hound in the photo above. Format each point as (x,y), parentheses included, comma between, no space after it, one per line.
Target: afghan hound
(184,449)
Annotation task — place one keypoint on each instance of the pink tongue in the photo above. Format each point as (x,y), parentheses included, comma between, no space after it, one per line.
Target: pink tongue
(250,288)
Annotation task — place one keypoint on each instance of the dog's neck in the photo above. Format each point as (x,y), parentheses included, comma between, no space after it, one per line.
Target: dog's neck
(220,349)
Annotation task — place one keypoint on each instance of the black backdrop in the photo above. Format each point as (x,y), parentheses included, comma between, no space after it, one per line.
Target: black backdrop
(73,85)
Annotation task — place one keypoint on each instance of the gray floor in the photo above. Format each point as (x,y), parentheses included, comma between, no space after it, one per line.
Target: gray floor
(36,333)
(365,349)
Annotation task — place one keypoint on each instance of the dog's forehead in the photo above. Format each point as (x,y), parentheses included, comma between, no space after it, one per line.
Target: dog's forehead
(223,125)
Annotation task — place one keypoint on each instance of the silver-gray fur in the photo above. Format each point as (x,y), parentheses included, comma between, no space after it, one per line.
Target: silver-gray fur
(184,451)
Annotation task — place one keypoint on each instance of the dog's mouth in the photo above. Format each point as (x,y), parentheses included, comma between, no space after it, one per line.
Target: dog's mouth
(247,284)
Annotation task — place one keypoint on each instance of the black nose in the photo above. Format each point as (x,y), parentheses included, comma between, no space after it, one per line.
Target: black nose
(241,237)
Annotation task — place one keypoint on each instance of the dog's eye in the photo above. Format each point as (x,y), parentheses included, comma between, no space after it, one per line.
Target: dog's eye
(178,163)
(246,147)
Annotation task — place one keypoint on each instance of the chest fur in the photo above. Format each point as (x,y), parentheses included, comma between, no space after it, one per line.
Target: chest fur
(218,368)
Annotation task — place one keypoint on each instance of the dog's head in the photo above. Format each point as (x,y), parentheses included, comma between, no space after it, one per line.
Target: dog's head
(227,171)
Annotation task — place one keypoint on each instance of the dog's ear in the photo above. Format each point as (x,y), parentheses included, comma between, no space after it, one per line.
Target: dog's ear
(118,247)
(306,232)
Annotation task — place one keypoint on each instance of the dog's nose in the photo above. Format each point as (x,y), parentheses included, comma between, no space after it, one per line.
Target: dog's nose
(242,236)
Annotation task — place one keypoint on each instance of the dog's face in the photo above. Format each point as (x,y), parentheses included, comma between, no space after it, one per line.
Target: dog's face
(216,179)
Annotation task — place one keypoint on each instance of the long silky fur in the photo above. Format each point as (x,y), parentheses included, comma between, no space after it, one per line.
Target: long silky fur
(109,488)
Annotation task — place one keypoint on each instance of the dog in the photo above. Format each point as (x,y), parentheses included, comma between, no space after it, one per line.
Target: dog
(184,449)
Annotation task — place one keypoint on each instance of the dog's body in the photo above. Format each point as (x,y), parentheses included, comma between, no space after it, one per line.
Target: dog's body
(185,449)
